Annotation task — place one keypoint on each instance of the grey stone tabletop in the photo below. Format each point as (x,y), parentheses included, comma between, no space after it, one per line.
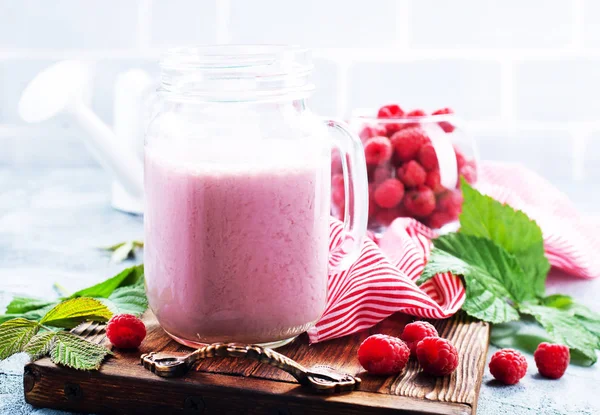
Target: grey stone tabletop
(53,220)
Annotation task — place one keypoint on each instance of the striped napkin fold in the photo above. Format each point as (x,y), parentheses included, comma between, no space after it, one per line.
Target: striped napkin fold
(382,280)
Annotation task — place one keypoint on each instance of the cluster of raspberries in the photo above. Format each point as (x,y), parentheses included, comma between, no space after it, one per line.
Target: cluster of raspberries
(404,176)
(380,354)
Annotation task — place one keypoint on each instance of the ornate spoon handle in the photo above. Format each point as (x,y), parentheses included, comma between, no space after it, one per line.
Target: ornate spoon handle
(319,378)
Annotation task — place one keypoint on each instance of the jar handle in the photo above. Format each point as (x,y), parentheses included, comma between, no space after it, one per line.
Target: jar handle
(354,168)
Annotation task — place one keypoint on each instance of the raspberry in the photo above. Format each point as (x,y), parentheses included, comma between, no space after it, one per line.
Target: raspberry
(414,332)
(445,125)
(378,150)
(416,113)
(381,173)
(420,202)
(439,219)
(412,174)
(336,162)
(125,331)
(373,208)
(460,158)
(386,216)
(408,141)
(383,355)
(371,131)
(427,157)
(508,366)
(390,111)
(552,359)
(437,356)
(337,189)
(450,202)
(389,193)
(433,181)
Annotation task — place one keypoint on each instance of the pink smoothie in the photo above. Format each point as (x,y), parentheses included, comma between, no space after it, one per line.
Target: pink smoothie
(236,251)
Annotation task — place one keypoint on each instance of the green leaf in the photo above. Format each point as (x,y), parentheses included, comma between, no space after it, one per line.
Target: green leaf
(564,329)
(586,317)
(15,334)
(491,275)
(440,262)
(70,313)
(124,250)
(20,305)
(511,229)
(71,350)
(29,315)
(40,344)
(37,308)
(490,260)
(558,301)
(487,301)
(128,300)
(526,335)
(104,289)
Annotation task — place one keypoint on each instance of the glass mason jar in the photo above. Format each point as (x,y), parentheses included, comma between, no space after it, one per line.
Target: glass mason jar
(414,164)
(237,187)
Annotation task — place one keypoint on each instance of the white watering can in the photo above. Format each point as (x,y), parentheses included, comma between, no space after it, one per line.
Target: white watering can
(59,89)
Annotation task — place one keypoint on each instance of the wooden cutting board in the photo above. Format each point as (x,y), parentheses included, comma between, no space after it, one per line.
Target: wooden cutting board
(236,386)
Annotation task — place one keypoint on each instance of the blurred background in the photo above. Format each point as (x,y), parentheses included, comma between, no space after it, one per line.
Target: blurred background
(524,74)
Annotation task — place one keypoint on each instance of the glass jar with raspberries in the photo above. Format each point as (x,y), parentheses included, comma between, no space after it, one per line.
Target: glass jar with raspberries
(414,163)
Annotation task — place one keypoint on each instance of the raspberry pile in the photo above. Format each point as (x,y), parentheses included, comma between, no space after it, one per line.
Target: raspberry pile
(380,354)
(125,331)
(414,332)
(403,171)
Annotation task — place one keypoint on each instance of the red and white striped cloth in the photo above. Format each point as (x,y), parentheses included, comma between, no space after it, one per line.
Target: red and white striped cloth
(382,280)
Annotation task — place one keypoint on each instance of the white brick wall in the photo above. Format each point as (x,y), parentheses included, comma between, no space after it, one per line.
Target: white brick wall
(526,74)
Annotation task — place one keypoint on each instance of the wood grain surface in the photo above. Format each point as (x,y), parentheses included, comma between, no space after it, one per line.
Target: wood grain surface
(225,385)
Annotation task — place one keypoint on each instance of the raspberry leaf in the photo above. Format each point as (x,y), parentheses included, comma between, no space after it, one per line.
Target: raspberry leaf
(558,301)
(492,275)
(70,313)
(511,229)
(73,351)
(31,308)
(20,305)
(564,328)
(489,259)
(586,317)
(129,276)
(123,250)
(40,344)
(29,315)
(127,300)
(440,262)
(15,334)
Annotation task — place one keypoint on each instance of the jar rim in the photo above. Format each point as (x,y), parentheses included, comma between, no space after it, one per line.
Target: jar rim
(234,56)
(370,115)
(237,73)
